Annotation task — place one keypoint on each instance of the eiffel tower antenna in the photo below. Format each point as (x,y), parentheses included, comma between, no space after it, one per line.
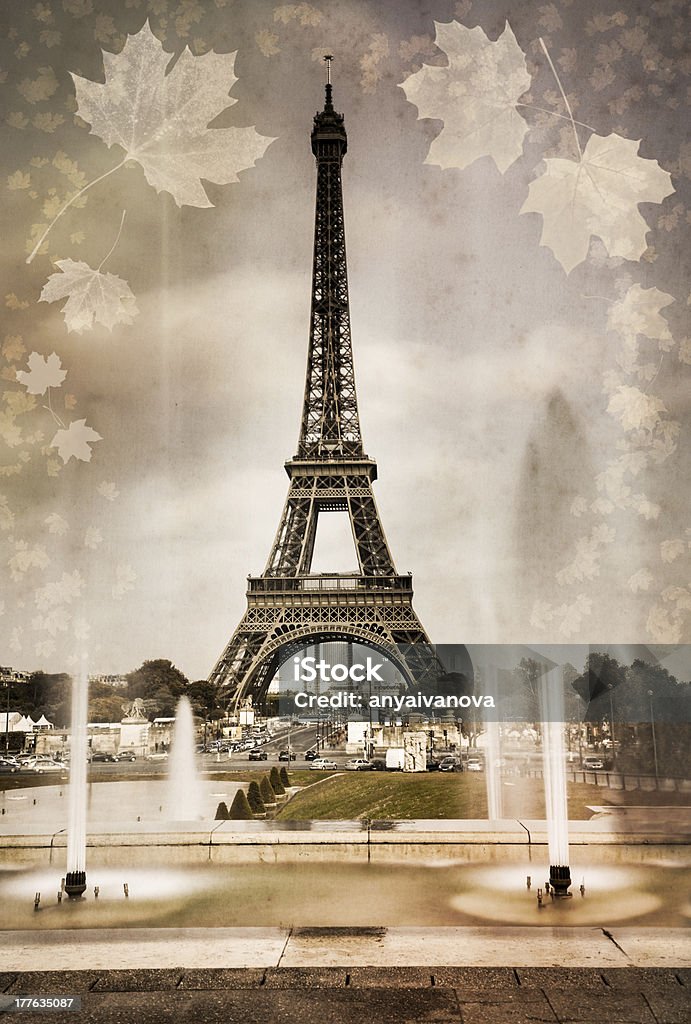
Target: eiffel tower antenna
(288,606)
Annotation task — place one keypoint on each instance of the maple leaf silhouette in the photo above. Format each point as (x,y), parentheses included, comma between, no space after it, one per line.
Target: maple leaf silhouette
(42,374)
(92,296)
(74,441)
(635,409)
(475,97)
(161,120)
(597,195)
(638,312)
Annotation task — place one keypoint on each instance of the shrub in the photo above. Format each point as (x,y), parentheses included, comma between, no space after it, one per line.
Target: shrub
(240,810)
(275,780)
(254,798)
(285,778)
(267,790)
(222,811)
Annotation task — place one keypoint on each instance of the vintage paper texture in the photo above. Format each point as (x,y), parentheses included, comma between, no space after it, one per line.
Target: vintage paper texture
(519,301)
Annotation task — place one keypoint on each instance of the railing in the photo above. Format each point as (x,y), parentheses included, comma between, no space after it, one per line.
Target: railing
(292,584)
(623,780)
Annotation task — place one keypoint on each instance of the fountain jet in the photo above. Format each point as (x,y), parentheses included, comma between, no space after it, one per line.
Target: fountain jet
(551,693)
(184,789)
(75,878)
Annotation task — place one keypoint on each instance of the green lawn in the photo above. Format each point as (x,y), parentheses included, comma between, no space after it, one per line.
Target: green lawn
(395,796)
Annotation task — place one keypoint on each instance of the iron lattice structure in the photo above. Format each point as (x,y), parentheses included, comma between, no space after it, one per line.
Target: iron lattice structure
(288,607)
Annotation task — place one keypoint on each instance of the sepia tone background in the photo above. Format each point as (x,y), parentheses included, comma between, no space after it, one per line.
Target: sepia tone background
(484,370)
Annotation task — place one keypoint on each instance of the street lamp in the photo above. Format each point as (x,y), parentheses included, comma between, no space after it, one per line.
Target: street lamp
(611,727)
(652,725)
(7,717)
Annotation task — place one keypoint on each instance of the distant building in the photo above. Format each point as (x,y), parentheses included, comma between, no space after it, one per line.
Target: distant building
(13,675)
(118,682)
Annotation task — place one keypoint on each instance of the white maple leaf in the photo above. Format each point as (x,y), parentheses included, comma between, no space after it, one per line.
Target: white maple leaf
(92,296)
(42,374)
(25,558)
(663,625)
(161,120)
(475,97)
(640,580)
(75,441)
(671,549)
(638,312)
(63,591)
(108,490)
(56,524)
(635,409)
(597,195)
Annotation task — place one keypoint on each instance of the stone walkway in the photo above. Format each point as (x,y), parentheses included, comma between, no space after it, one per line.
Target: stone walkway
(344,975)
(363,995)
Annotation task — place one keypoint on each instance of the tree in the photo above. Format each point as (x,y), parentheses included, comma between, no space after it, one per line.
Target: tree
(275,780)
(254,798)
(240,810)
(105,709)
(285,778)
(205,699)
(267,791)
(160,683)
(222,813)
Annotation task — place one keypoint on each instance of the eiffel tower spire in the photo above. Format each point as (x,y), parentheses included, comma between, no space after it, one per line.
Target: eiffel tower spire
(330,421)
(288,607)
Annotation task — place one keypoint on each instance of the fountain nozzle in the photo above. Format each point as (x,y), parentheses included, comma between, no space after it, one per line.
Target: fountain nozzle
(560,881)
(75,884)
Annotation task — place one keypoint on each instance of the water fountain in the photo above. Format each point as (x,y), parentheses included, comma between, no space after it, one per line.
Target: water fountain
(184,790)
(495,803)
(75,878)
(551,695)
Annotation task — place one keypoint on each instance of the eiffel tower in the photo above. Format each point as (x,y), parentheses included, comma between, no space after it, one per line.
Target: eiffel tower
(288,608)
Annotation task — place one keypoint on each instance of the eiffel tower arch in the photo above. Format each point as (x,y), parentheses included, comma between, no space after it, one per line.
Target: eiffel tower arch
(288,606)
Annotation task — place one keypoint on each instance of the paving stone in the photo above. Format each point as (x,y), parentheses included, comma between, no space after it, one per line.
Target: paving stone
(528,1012)
(222,977)
(607,1008)
(6,979)
(476,979)
(390,977)
(669,1007)
(314,1006)
(139,981)
(38,983)
(304,977)
(564,979)
(642,978)
(684,975)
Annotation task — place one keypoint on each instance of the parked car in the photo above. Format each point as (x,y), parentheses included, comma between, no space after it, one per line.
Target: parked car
(127,755)
(41,765)
(310,755)
(474,764)
(593,764)
(432,765)
(102,756)
(450,764)
(7,768)
(161,756)
(257,755)
(287,755)
(357,764)
(323,764)
(377,765)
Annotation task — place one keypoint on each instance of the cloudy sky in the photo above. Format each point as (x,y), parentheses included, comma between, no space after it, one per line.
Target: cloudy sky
(528,413)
